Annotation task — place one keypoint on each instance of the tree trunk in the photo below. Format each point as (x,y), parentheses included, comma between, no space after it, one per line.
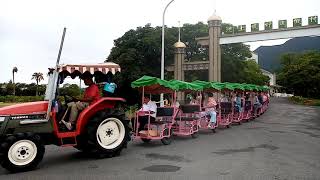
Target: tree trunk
(37,88)
(14,85)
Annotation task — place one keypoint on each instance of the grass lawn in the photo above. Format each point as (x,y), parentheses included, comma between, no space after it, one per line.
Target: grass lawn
(6,104)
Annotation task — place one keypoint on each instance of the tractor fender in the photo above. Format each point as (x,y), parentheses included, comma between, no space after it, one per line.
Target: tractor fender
(91,111)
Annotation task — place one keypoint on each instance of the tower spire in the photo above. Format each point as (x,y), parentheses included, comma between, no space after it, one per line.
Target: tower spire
(179,30)
(215,6)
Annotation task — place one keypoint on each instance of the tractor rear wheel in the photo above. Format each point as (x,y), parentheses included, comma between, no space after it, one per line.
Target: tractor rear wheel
(21,152)
(107,134)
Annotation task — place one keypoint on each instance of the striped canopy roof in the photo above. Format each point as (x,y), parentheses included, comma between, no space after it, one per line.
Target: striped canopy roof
(92,68)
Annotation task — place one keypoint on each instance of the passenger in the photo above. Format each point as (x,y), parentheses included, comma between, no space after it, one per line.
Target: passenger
(260,98)
(91,95)
(238,103)
(224,98)
(168,102)
(210,109)
(247,96)
(256,104)
(193,99)
(199,99)
(148,106)
(264,98)
(177,104)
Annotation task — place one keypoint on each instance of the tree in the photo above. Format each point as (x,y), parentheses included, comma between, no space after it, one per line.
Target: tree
(138,53)
(38,76)
(70,89)
(14,70)
(301,73)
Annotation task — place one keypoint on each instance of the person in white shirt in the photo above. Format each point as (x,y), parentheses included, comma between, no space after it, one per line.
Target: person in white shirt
(149,108)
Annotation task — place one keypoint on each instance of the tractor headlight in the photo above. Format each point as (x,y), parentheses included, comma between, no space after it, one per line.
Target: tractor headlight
(2,119)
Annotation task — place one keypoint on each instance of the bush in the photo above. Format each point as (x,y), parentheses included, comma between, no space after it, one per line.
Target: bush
(305,101)
(13,99)
(130,111)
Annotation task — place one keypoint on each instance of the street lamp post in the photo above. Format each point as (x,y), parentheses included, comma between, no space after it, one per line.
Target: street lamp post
(162,49)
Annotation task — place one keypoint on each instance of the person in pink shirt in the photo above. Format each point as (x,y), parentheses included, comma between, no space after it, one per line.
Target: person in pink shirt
(210,109)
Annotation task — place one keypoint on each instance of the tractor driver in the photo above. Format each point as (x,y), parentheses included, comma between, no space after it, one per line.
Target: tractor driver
(91,95)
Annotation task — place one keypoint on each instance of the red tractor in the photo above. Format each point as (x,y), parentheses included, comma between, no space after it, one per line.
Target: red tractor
(26,128)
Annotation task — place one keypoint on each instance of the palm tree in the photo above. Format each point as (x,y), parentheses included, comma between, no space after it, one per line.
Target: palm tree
(14,70)
(38,76)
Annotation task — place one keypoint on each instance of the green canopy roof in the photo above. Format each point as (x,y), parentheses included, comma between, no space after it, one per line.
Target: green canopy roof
(265,88)
(248,87)
(236,86)
(208,85)
(153,85)
(201,83)
(185,86)
(224,86)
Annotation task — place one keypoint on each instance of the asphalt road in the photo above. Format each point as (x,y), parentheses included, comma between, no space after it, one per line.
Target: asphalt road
(284,143)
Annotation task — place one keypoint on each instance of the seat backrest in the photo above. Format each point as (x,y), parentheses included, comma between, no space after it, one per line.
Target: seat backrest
(190,108)
(165,111)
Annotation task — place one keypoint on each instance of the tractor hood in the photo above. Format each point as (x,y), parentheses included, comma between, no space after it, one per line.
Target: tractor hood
(25,108)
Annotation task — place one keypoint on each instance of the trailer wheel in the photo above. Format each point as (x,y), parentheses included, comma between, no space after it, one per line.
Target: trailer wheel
(22,152)
(107,134)
(167,140)
(195,134)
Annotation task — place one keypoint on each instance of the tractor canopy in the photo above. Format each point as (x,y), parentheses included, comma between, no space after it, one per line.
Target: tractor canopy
(101,72)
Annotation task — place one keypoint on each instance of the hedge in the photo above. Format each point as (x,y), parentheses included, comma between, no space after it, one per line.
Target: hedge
(13,99)
(305,101)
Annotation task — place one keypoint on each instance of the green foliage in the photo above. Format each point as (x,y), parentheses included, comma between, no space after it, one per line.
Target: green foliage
(10,98)
(22,89)
(301,73)
(305,101)
(71,90)
(189,32)
(38,76)
(253,74)
(138,52)
(130,111)
(234,68)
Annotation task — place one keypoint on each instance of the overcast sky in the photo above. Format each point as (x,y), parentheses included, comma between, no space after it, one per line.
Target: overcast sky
(30,30)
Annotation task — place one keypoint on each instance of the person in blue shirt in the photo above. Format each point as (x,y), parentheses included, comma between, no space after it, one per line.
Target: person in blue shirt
(238,103)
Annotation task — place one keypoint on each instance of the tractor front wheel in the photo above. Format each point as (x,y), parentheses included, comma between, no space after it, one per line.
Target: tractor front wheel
(21,152)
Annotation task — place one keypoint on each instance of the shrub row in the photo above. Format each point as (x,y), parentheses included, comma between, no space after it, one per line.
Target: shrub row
(305,101)
(13,99)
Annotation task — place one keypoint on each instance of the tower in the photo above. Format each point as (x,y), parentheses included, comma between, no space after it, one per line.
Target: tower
(179,55)
(214,23)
